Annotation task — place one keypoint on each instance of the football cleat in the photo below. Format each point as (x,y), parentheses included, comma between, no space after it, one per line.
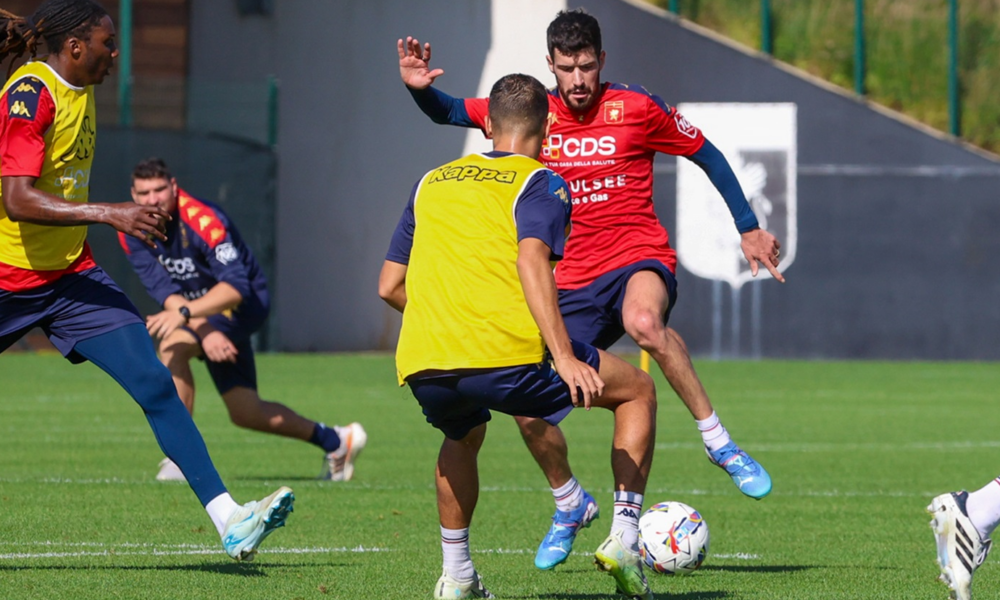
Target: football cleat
(960,550)
(558,542)
(625,566)
(169,471)
(449,587)
(746,473)
(339,464)
(251,523)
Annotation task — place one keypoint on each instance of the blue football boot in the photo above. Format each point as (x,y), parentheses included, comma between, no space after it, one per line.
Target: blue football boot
(745,472)
(558,542)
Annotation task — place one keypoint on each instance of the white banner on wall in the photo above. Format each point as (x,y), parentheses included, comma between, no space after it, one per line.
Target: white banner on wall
(759,141)
(517,46)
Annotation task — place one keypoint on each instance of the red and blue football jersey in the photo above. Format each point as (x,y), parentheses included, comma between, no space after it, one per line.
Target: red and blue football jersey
(606,157)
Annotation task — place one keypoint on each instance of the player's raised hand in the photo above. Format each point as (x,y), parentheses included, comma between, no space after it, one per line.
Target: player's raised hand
(143,222)
(583,381)
(760,245)
(414,64)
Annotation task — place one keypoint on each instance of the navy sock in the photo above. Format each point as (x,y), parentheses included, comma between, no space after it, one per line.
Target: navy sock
(127,354)
(325,437)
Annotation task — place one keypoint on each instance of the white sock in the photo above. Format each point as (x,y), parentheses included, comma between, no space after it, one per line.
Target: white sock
(455,548)
(628,507)
(713,432)
(984,508)
(568,496)
(220,509)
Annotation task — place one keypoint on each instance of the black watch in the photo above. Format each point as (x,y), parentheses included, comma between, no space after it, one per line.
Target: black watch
(185,312)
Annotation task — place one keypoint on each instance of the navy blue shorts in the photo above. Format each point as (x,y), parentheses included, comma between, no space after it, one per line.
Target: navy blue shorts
(75,307)
(593,313)
(457,402)
(243,373)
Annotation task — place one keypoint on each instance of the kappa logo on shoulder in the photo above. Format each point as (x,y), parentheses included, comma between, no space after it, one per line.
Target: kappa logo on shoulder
(25,87)
(463,172)
(18,109)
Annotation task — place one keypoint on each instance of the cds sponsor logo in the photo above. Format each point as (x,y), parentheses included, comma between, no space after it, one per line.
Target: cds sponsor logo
(179,268)
(558,146)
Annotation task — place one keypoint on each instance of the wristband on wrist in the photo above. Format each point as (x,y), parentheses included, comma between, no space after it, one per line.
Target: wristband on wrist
(185,312)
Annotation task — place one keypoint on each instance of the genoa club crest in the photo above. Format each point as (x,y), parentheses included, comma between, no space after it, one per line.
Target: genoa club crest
(759,141)
(614,112)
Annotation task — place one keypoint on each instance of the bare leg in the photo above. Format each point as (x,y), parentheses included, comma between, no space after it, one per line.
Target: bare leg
(630,395)
(548,446)
(457,479)
(248,410)
(176,352)
(646,301)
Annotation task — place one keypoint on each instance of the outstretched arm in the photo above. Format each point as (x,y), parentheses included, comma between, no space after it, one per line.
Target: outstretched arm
(540,292)
(414,64)
(23,202)
(758,245)
(415,71)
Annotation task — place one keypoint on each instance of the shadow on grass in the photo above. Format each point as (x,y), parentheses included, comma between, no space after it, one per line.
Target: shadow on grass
(757,568)
(273,478)
(684,596)
(237,569)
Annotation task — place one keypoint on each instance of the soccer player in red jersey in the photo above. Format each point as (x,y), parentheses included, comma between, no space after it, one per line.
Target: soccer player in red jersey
(617,276)
(48,278)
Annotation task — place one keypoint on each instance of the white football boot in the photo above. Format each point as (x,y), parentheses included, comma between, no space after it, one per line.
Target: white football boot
(339,464)
(960,550)
(169,471)
(251,523)
(449,587)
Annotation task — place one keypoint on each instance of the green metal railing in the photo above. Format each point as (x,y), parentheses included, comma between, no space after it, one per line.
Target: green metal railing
(860,52)
(125,64)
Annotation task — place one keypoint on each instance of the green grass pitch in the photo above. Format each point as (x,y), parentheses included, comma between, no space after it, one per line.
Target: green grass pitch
(856,451)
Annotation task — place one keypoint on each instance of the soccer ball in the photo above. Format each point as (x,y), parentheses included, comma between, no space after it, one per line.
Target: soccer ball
(673,538)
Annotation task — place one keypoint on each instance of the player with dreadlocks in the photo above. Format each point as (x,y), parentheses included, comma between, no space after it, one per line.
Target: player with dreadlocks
(48,277)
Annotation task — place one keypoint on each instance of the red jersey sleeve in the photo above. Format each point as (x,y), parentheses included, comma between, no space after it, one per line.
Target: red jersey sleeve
(667,130)
(29,112)
(478,108)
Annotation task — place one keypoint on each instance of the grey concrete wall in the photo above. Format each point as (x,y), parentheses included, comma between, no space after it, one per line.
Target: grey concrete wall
(351,144)
(889,264)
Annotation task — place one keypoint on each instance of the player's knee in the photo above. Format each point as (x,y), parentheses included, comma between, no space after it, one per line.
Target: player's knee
(647,391)
(173,350)
(473,440)
(151,385)
(646,328)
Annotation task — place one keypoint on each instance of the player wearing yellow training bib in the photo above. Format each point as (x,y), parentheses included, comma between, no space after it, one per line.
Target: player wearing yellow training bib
(469,267)
(492,201)
(48,278)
